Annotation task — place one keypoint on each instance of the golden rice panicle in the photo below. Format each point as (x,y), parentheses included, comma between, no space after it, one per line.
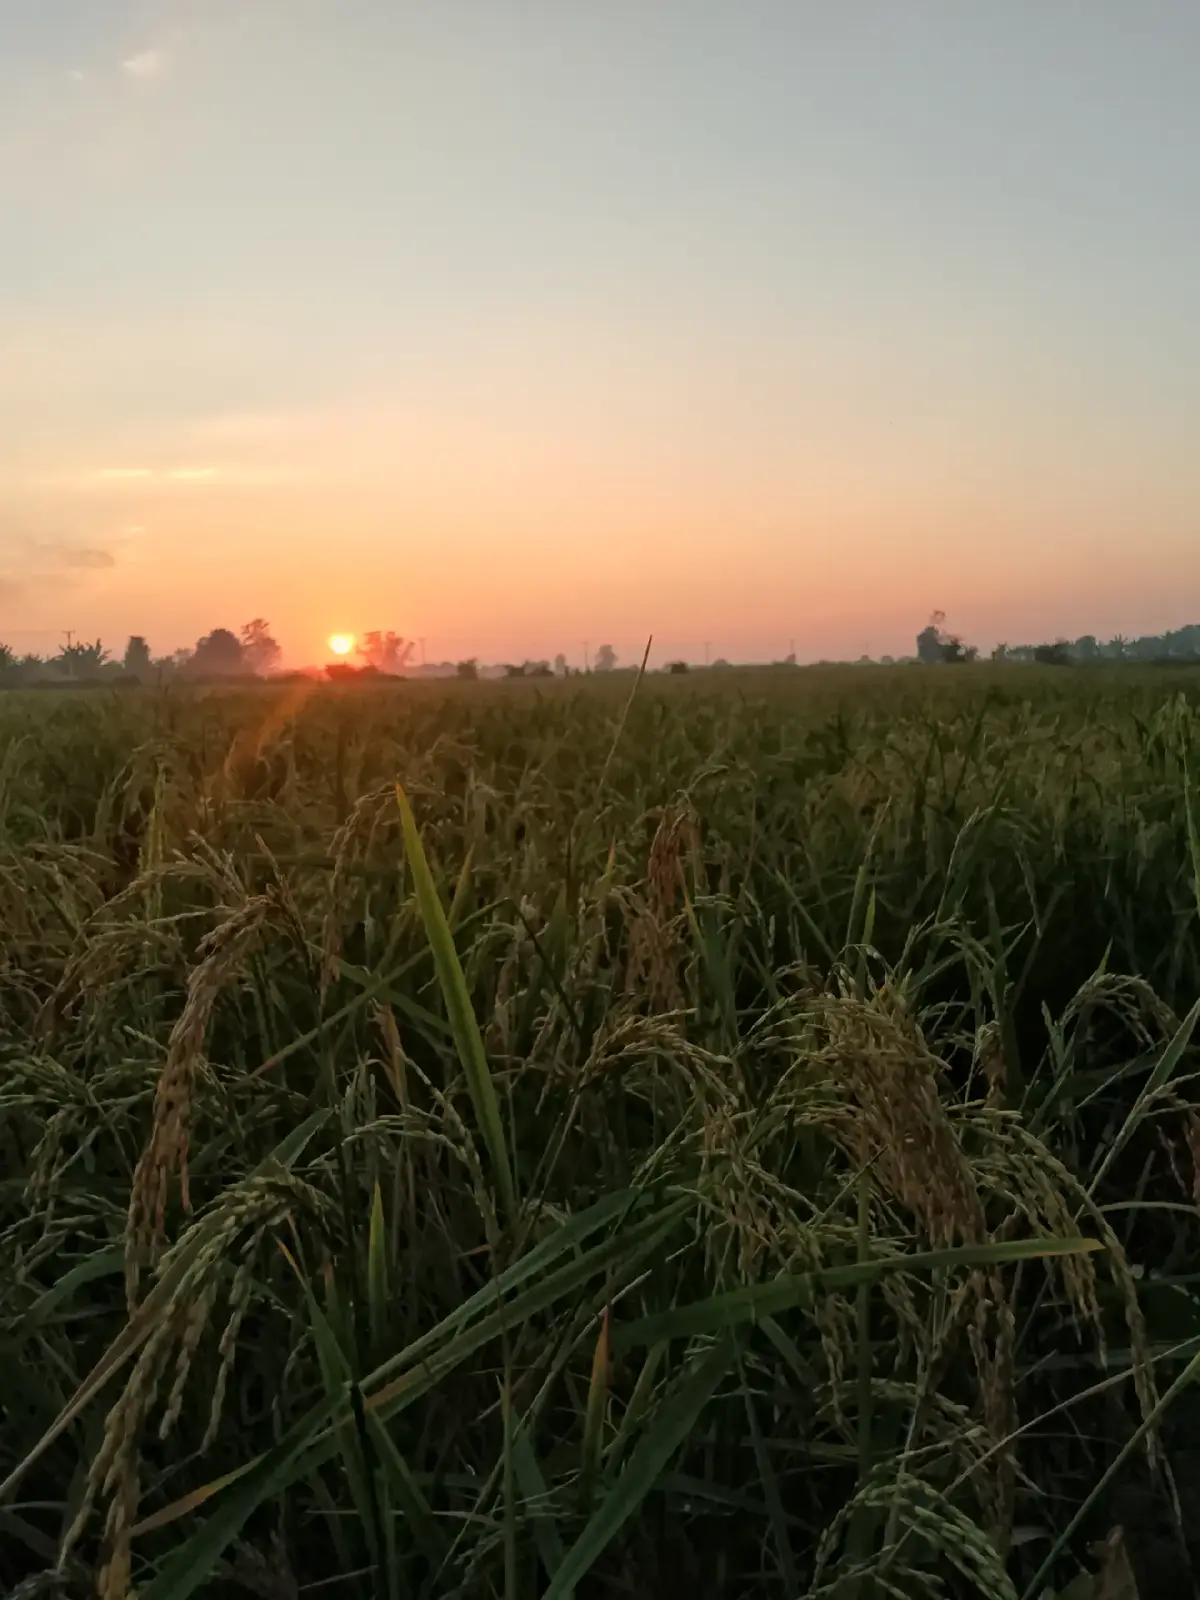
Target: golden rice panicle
(902,1130)
(361,823)
(166,1150)
(248,1212)
(656,944)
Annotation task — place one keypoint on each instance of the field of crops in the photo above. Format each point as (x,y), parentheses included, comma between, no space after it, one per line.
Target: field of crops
(734,1138)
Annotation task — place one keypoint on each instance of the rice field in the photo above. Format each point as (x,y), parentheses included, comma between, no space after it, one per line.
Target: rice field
(729,1135)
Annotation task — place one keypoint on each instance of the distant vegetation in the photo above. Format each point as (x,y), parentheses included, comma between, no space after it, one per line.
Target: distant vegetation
(221,654)
(937,646)
(254,653)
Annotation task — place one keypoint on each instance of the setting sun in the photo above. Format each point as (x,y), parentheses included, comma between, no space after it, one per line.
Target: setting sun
(341,643)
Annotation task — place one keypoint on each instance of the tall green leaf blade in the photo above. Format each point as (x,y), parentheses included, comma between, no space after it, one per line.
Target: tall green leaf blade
(536,1494)
(671,1426)
(377,1274)
(780,1294)
(467,1037)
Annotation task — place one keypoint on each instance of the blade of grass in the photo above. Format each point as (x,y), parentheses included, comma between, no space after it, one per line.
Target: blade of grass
(672,1423)
(377,1277)
(616,739)
(1164,1069)
(467,1037)
(536,1495)
(771,1493)
(509,1479)
(597,1406)
(638,1401)
(337,1375)
(751,1303)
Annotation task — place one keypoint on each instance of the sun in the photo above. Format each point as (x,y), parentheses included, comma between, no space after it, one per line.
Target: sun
(341,643)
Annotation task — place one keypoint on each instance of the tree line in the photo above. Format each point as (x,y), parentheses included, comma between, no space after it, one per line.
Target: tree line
(253,652)
(936,645)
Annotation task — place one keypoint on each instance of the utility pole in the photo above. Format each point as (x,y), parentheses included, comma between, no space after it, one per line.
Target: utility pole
(421,642)
(707,651)
(587,656)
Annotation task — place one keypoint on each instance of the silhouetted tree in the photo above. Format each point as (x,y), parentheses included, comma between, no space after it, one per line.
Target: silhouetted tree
(260,652)
(12,672)
(935,645)
(386,650)
(676,668)
(172,665)
(137,657)
(929,641)
(1086,648)
(467,670)
(606,658)
(218,655)
(1052,655)
(560,665)
(82,660)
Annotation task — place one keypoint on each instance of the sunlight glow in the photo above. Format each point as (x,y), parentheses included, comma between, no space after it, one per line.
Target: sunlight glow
(341,643)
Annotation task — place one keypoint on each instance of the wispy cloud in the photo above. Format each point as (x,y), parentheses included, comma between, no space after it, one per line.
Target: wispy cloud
(135,475)
(138,483)
(88,558)
(66,555)
(145,64)
(44,559)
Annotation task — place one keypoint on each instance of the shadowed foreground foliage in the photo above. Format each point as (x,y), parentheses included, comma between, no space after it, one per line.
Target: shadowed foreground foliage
(737,1142)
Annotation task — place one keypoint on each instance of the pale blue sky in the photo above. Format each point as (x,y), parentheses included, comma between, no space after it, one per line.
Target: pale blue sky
(519,324)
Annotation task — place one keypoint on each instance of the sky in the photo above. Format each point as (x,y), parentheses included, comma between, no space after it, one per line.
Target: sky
(522,326)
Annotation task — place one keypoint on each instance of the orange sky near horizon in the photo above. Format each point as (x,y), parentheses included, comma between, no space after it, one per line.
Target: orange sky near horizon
(841,320)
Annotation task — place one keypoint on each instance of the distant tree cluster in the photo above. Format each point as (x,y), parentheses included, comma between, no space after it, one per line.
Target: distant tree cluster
(383,654)
(935,646)
(386,652)
(1179,644)
(251,653)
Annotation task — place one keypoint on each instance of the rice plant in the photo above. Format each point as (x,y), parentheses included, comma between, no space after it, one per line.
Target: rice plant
(732,1139)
